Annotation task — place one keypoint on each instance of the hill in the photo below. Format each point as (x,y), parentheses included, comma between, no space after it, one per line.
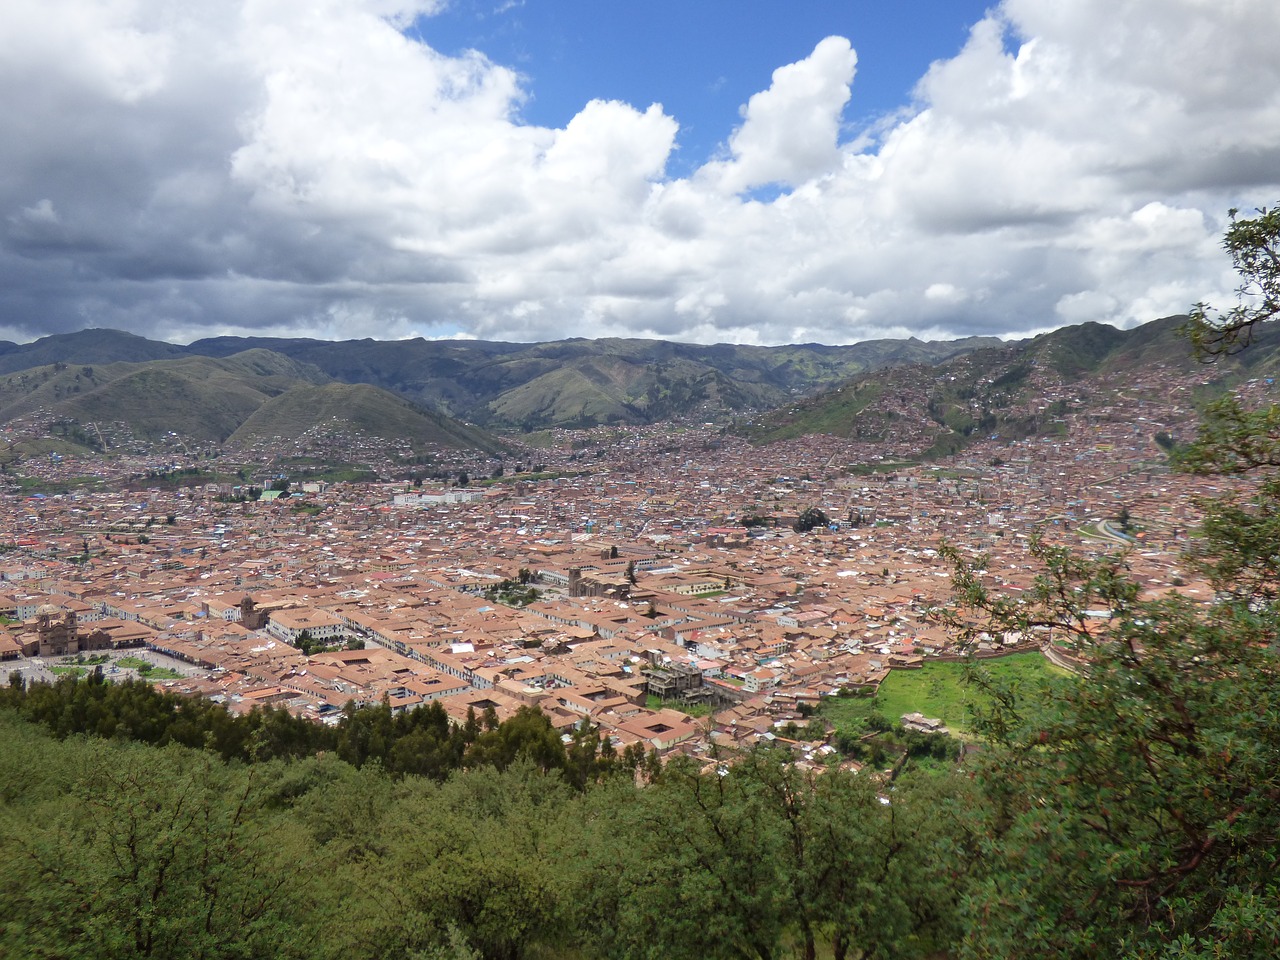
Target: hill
(960,389)
(1015,390)
(197,398)
(93,346)
(535,385)
(352,411)
(249,395)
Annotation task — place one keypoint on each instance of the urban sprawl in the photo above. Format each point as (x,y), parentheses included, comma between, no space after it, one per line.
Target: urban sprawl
(645,580)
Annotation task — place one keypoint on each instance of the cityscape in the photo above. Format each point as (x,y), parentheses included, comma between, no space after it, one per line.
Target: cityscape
(649,581)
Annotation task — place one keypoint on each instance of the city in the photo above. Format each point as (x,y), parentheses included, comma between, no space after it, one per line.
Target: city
(647,582)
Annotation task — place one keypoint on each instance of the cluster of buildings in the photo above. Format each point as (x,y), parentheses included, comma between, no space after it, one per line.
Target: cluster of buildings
(674,605)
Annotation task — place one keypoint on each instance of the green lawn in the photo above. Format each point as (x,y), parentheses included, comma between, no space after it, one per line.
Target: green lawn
(936,690)
(162,673)
(147,670)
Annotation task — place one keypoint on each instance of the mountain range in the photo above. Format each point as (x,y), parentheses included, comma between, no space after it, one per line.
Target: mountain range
(458,393)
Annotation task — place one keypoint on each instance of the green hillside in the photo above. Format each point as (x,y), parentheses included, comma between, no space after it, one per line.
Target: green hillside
(339,408)
(997,391)
(581,382)
(198,398)
(195,397)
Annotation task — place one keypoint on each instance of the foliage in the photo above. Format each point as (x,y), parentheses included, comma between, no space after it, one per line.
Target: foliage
(1254,246)
(1135,813)
(513,593)
(1136,808)
(760,859)
(133,851)
(811,519)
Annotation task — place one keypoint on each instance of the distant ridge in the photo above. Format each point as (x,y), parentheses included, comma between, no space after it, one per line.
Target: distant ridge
(527,386)
(962,387)
(208,399)
(87,346)
(1001,390)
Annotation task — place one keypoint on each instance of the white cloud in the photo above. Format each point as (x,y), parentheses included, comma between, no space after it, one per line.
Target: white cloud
(303,166)
(789,132)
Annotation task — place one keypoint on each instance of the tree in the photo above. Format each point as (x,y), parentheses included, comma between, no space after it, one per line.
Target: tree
(476,863)
(1135,811)
(812,518)
(1254,246)
(1125,519)
(123,851)
(756,856)
(528,736)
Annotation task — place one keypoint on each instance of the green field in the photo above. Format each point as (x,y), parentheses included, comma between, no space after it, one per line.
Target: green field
(162,673)
(148,670)
(935,690)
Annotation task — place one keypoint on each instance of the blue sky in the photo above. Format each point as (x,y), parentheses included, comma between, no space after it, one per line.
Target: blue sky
(347,168)
(701,59)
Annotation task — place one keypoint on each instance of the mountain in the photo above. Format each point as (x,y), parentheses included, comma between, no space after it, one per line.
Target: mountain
(86,346)
(341,410)
(574,382)
(196,398)
(960,388)
(1008,390)
(207,399)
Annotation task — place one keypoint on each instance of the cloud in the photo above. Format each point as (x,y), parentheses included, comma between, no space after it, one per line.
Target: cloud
(305,167)
(789,132)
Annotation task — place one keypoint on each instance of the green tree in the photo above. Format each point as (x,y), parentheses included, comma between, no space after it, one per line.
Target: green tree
(1135,811)
(1125,519)
(477,863)
(1254,246)
(812,518)
(127,851)
(528,735)
(760,859)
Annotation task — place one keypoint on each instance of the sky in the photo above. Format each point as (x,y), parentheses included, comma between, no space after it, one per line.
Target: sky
(713,171)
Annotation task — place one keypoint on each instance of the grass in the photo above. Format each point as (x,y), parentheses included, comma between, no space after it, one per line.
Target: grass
(835,413)
(936,690)
(851,715)
(689,709)
(71,671)
(162,673)
(147,670)
(341,474)
(32,485)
